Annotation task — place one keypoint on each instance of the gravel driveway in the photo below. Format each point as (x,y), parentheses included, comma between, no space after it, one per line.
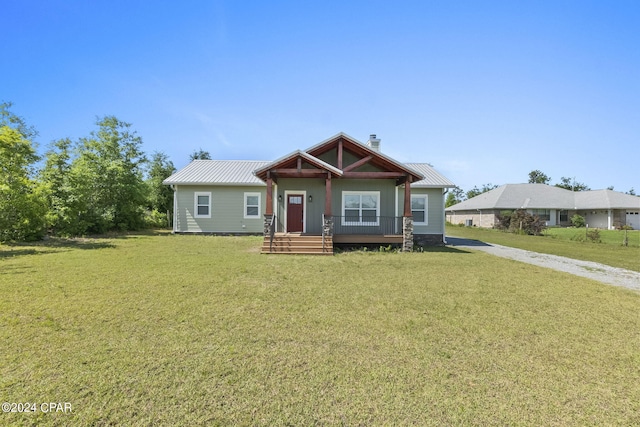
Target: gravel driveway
(591,270)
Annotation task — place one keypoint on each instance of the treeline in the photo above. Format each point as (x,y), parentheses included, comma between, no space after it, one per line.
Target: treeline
(99,183)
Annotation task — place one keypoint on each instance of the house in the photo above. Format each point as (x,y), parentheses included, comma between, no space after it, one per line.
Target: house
(340,191)
(605,209)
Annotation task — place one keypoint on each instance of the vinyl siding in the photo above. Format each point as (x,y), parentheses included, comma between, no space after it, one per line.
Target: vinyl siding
(227,206)
(435,209)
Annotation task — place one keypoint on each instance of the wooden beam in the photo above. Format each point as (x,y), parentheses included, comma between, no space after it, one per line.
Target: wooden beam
(357,164)
(327,195)
(340,154)
(269,196)
(407,197)
(373,175)
(302,173)
(299,164)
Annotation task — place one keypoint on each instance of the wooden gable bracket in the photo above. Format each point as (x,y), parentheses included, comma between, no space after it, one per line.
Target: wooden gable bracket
(357,164)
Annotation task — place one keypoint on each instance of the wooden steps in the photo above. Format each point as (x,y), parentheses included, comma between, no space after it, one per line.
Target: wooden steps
(295,243)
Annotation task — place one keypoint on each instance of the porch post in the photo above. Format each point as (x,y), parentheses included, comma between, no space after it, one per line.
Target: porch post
(269,195)
(407,219)
(407,197)
(327,195)
(327,226)
(268,215)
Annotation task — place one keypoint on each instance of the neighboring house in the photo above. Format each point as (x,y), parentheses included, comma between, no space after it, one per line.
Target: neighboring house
(340,190)
(601,208)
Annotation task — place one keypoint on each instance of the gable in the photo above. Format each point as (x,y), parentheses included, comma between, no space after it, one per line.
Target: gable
(357,160)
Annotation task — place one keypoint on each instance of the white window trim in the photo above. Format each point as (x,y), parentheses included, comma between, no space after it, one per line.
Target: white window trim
(426,208)
(361,193)
(246,195)
(195,204)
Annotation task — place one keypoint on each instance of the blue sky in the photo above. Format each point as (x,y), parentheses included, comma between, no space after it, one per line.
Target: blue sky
(486,91)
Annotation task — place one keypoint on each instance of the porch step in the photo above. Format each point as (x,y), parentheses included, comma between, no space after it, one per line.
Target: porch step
(297,244)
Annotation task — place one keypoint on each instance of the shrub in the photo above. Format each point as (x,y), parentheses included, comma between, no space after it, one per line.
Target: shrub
(504,220)
(522,222)
(155,219)
(578,221)
(593,234)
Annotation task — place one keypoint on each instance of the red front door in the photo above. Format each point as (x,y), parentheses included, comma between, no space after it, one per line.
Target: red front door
(295,213)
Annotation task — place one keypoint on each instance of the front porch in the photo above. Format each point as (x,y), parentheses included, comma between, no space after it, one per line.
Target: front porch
(338,230)
(339,190)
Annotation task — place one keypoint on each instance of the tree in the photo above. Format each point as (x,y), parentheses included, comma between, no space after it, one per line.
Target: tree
(106,178)
(200,154)
(21,206)
(160,195)
(538,177)
(7,118)
(63,203)
(631,192)
(571,184)
(475,191)
(455,196)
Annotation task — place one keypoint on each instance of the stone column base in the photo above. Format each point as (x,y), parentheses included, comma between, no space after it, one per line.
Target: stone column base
(407,234)
(267,224)
(327,226)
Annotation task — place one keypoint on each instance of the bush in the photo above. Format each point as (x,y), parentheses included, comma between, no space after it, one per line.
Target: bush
(522,222)
(578,221)
(593,234)
(155,219)
(504,220)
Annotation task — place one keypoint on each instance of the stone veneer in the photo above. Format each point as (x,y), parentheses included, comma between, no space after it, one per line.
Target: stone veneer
(267,224)
(407,234)
(327,226)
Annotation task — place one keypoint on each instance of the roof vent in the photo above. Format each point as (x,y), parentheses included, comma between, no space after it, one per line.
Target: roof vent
(373,142)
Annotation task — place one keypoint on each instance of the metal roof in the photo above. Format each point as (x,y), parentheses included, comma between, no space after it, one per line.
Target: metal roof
(432,178)
(225,172)
(542,196)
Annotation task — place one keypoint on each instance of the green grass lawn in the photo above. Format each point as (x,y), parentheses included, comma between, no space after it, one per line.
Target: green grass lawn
(148,330)
(565,242)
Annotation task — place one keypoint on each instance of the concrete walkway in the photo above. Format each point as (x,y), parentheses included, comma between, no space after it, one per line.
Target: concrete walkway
(591,270)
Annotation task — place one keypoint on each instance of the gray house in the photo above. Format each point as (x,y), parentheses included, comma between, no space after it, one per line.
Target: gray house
(605,209)
(340,191)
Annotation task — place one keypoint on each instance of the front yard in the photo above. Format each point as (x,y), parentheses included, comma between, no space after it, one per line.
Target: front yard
(192,330)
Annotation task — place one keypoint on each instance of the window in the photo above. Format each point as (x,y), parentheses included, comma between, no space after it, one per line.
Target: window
(564,216)
(360,208)
(202,205)
(543,214)
(419,209)
(252,205)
